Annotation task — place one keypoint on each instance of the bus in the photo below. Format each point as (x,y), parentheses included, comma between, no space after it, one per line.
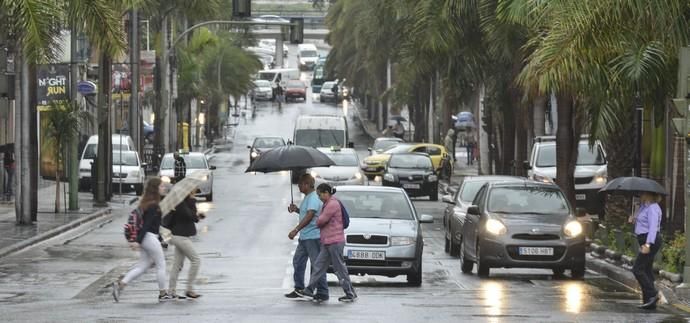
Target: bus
(319,75)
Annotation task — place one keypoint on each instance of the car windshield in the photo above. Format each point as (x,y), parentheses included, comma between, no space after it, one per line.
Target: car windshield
(398,149)
(268,142)
(320,137)
(546,156)
(262,83)
(469,190)
(343,159)
(410,161)
(537,200)
(91,150)
(125,159)
(295,84)
(267,76)
(327,85)
(192,162)
(385,144)
(373,204)
(318,72)
(309,53)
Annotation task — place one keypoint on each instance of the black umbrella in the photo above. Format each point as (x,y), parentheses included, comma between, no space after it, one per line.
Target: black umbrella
(633,185)
(397,118)
(290,157)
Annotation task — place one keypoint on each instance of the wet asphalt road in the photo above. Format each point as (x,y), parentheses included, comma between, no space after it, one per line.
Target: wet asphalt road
(246,266)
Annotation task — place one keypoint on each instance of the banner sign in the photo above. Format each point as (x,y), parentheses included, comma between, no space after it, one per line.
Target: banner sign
(53,83)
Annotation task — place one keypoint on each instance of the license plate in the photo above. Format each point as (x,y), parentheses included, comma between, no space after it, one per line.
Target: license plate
(411,186)
(580,197)
(535,251)
(371,169)
(366,255)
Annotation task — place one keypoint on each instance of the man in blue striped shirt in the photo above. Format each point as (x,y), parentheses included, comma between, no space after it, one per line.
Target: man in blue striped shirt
(647,226)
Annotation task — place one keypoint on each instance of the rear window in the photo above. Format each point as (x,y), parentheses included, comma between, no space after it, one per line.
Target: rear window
(320,137)
(539,200)
(193,162)
(343,159)
(295,84)
(268,142)
(380,205)
(309,53)
(410,161)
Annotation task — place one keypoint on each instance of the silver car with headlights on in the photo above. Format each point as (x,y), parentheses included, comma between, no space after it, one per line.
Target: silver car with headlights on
(522,224)
(385,235)
(345,171)
(195,162)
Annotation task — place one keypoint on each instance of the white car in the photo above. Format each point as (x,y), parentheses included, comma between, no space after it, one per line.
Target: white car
(262,90)
(345,171)
(128,170)
(271,44)
(195,162)
(123,142)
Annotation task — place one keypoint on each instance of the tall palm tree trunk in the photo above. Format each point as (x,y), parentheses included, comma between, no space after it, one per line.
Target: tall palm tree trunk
(565,146)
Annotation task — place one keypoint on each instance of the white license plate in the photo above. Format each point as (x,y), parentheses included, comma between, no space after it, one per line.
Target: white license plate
(411,186)
(366,255)
(580,197)
(535,251)
(371,169)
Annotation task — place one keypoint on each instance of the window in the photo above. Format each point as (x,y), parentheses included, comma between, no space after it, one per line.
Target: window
(537,200)
(433,150)
(420,150)
(125,159)
(385,144)
(546,155)
(344,159)
(469,190)
(193,162)
(410,161)
(383,205)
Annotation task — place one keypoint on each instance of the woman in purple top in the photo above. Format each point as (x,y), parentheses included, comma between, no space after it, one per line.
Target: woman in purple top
(647,226)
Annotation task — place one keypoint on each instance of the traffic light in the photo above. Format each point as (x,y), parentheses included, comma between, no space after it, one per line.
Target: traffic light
(296,30)
(679,123)
(241,8)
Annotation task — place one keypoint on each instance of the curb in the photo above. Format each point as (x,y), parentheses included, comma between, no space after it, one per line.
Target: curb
(54,232)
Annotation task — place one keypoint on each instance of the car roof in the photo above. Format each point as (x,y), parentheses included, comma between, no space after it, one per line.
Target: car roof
(191,153)
(341,151)
(411,154)
(493,178)
(362,188)
(389,139)
(523,183)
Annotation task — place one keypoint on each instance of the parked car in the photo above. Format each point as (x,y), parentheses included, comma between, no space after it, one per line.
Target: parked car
(456,211)
(119,142)
(295,89)
(385,235)
(327,93)
(262,90)
(262,145)
(128,170)
(195,162)
(522,224)
(345,171)
(414,172)
(375,165)
(382,144)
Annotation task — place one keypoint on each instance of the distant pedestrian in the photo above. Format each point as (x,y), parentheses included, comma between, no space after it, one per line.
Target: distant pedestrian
(181,223)
(399,130)
(330,222)
(180,167)
(470,145)
(647,228)
(9,166)
(309,244)
(150,250)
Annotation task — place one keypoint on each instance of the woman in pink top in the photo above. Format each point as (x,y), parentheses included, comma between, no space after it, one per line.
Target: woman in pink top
(330,223)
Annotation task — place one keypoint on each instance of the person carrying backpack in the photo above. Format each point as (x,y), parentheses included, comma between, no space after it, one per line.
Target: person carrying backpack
(181,223)
(330,222)
(150,250)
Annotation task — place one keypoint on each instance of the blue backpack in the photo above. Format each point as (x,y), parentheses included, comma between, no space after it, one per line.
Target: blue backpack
(346,217)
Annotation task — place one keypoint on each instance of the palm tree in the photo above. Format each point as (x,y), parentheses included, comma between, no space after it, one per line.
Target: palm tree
(62,123)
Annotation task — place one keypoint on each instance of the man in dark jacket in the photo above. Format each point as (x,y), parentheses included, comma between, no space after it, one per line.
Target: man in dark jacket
(180,167)
(181,223)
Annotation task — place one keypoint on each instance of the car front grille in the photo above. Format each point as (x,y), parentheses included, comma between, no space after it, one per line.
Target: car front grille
(373,263)
(583,180)
(119,175)
(526,236)
(360,239)
(558,252)
(336,178)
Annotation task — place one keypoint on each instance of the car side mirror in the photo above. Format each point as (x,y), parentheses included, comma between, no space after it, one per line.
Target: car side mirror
(526,165)
(426,218)
(144,164)
(212,167)
(474,210)
(447,199)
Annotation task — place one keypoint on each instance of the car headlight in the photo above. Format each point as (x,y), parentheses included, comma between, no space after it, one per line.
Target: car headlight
(600,179)
(254,154)
(205,178)
(314,174)
(357,175)
(134,173)
(389,177)
(572,229)
(495,227)
(432,178)
(165,179)
(540,178)
(402,241)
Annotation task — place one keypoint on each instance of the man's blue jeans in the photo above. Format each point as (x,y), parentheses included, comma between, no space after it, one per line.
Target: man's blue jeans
(308,249)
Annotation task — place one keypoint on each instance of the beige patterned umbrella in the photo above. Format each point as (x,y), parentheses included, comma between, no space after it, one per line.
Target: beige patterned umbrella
(181,190)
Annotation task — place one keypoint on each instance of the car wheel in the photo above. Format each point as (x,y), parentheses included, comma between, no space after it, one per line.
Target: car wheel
(578,271)
(371,177)
(209,197)
(415,278)
(434,194)
(139,188)
(465,264)
(558,272)
(482,269)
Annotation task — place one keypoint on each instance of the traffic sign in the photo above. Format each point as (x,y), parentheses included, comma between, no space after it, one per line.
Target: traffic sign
(86,87)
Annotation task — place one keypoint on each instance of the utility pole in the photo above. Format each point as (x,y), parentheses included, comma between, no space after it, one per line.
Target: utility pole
(104,136)
(682,125)
(134,119)
(73,147)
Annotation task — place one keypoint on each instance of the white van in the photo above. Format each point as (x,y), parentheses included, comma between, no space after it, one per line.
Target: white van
(307,55)
(591,170)
(119,142)
(320,131)
(284,74)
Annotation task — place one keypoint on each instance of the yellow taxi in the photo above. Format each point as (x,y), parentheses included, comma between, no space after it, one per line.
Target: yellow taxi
(373,166)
